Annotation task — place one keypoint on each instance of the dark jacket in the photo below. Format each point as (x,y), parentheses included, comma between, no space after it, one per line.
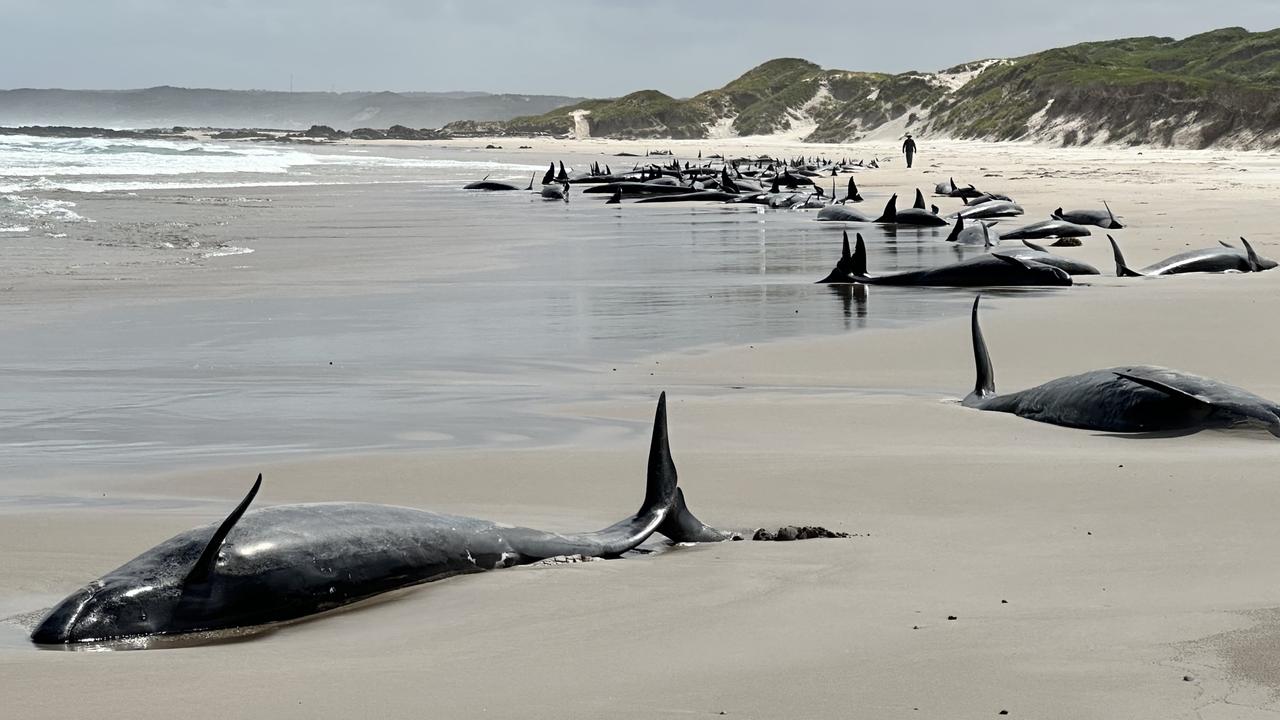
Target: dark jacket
(909,146)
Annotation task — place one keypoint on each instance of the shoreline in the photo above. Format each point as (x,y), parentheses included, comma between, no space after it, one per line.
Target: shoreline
(1125,561)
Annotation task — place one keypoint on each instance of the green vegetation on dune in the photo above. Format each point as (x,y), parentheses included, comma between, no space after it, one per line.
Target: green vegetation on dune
(1139,89)
(1216,87)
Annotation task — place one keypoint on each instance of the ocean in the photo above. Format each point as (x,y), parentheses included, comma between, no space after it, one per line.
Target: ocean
(234,300)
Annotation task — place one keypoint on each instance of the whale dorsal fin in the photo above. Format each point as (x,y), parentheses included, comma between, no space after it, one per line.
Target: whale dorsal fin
(986,234)
(531,179)
(919,203)
(955,230)
(984,385)
(204,565)
(845,255)
(1254,264)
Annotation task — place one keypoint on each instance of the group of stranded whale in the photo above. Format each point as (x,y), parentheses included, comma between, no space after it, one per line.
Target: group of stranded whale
(286,562)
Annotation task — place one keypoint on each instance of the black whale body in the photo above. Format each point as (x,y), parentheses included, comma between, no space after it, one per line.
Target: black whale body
(991,270)
(1125,399)
(289,561)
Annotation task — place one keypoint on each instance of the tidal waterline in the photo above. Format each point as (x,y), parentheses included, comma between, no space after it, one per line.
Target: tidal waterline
(385,308)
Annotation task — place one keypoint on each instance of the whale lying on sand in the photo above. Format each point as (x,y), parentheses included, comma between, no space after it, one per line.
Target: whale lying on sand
(497,185)
(990,209)
(1209,260)
(992,270)
(1104,219)
(1127,399)
(979,234)
(1048,229)
(842,213)
(290,561)
(917,216)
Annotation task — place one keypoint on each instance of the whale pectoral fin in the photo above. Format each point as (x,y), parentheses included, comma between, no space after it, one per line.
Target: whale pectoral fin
(204,565)
(1165,388)
(1033,246)
(1015,261)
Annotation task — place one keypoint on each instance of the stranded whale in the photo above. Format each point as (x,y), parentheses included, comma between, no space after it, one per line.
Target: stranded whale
(1209,260)
(1132,398)
(289,561)
(992,270)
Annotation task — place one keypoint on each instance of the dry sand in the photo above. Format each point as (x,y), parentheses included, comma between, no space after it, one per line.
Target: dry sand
(1138,572)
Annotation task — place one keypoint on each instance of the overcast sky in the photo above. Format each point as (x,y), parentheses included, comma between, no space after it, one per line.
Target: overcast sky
(564,47)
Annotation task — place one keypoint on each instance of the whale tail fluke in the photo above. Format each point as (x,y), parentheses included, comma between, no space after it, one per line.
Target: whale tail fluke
(858,263)
(679,525)
(890,214)
(683,526)
(840,273)
(1122,270)
(854,196)
(660,481)
(985,384)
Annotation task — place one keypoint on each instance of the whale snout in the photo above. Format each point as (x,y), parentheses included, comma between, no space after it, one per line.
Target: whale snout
(59,626)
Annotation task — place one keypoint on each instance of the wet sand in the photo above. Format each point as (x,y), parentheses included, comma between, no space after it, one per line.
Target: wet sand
(1127,563)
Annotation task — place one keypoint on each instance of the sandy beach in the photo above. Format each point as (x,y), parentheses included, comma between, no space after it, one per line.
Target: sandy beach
(996,564)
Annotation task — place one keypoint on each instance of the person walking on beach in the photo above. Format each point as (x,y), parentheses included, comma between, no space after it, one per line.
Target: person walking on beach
(909,149)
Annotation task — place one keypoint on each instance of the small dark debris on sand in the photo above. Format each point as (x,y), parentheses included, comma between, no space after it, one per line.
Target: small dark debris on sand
(793,532)
(1068,242)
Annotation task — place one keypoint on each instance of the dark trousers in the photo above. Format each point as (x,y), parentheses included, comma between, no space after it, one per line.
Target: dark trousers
(909,156)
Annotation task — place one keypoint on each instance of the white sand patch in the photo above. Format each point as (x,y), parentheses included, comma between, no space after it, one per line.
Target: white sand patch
(957,80)
(722,128)
(581,126)
(897,127)
(803,122)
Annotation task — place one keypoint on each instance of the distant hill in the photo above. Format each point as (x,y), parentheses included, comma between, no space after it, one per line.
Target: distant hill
(169,106)
(1220,88)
